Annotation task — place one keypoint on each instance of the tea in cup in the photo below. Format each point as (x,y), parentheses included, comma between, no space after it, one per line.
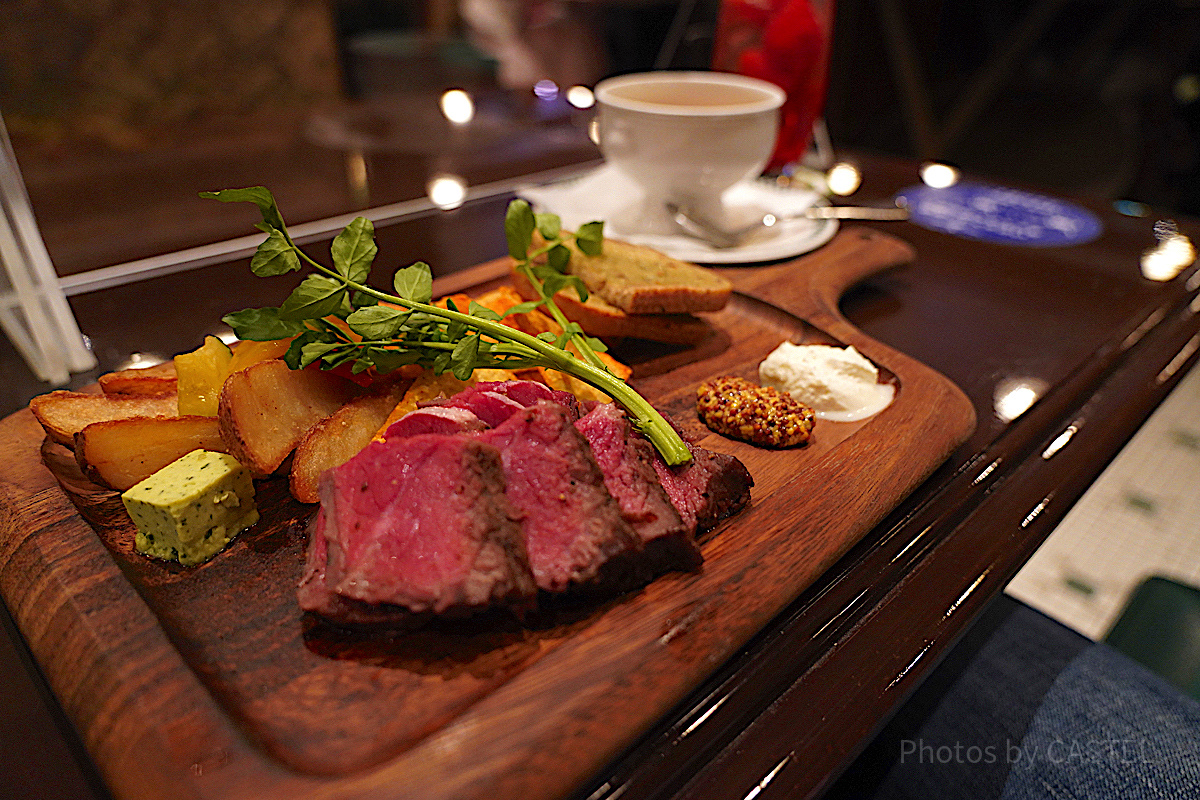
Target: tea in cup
(684,138)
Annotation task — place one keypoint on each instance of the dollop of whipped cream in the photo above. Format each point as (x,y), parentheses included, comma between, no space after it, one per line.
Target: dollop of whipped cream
(835,382)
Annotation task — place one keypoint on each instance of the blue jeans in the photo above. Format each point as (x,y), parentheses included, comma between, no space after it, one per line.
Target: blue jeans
(1025,708)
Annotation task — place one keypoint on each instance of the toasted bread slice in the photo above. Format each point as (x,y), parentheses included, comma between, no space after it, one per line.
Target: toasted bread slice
(640,280)
(600,318)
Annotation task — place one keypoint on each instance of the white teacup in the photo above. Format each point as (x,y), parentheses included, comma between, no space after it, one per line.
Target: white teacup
(685,137)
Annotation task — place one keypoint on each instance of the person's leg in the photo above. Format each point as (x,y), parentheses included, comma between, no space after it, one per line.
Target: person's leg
(1109,727)
(1023,707)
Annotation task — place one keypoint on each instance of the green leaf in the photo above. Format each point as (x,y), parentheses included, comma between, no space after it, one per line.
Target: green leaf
(441,363)
(519,224)
(259,195)
(317,296)
(548,225)
(311,352)
(558,257)
(597,345)
(483,312)
(386,360)
(295,350)
(377,322)
(463,357)
(261,325)
(343,355)
(415,282)
(523,308)
(274,256)
(455,331)
(589,238)
(556,282)
(354,249)
(547,336)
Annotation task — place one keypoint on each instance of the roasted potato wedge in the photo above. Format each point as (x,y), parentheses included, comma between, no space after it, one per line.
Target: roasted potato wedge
(119,453)
(338,437)
(63,414)
(267,409)
(150,381)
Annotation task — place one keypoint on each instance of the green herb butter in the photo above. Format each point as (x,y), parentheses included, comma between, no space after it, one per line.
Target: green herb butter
(192,508)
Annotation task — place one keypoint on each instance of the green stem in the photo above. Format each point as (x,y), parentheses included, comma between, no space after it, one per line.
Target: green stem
(578,340)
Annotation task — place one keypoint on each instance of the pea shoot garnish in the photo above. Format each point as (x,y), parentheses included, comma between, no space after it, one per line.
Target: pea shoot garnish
(336,319)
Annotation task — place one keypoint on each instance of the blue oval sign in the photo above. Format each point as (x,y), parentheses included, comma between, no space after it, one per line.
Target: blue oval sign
(997,214)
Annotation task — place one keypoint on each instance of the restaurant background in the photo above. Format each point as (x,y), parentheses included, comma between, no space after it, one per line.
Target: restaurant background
(121,111)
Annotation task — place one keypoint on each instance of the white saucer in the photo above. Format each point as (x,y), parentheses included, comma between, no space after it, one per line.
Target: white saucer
(603,193)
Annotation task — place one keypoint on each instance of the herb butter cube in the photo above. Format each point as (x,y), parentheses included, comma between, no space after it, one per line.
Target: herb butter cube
(190,509)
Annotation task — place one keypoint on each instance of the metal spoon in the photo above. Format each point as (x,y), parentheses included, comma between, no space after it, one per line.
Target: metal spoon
(703,228)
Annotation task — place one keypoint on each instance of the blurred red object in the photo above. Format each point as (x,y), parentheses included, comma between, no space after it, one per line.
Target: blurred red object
(787,43)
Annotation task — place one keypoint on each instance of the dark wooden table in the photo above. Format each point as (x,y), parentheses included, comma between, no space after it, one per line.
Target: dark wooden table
(794,706)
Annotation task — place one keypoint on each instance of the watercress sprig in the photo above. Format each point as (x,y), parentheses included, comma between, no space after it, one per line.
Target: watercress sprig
(335,318)
(550,277)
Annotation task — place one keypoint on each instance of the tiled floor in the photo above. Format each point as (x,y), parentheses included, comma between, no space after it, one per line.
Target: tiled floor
(1140,518)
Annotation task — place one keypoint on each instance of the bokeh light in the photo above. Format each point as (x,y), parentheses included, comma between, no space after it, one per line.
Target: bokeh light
(457,106)
(447,191)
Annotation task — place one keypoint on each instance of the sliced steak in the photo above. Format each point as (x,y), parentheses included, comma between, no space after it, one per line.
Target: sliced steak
(434,419)
(706,489)
(496,401)
(573,527)
(422,523)
(626,460)
(491,407)
(315,596)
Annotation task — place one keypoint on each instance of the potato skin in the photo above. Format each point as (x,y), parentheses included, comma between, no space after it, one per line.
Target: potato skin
(335,439)
(62,414)
(120,453)
(267,409)
(149,381)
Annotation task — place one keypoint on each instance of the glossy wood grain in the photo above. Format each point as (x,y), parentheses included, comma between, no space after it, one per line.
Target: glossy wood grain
(214,676)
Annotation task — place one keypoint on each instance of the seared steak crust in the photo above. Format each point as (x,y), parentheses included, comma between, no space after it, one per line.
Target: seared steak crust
(626,460)
(707,489)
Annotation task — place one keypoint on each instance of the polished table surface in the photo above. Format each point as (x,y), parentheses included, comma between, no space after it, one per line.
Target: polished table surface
(1080,326)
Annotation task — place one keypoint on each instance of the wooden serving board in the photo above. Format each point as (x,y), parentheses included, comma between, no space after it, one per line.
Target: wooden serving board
(210,683)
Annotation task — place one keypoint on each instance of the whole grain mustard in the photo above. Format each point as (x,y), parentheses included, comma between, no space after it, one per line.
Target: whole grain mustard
(761,415)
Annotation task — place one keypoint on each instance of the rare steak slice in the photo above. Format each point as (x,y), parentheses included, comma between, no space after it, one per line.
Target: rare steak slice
(496,401)
(434,419)
(422,523)
(573,527)
(626,460)
(315,596)
(706,489)
(491,407)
